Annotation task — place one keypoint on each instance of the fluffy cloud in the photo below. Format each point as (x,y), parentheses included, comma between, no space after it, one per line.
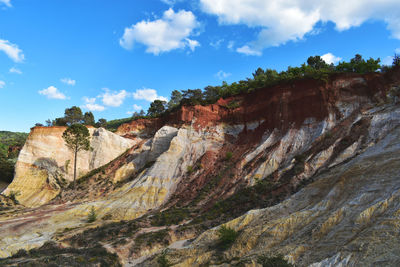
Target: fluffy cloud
(11,50)
(15,70)
(222,75)
(68,81)
(248,51)
(170,32)
(330,58)
(148,95)
(6,2)
(2,84)
(52,93)
(283,21)
(90,104)
(113,99)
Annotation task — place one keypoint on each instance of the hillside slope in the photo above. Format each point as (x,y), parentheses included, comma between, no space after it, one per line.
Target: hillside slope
(288,152)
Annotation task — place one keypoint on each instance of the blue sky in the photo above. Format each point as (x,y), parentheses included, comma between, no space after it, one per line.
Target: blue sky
(115,57)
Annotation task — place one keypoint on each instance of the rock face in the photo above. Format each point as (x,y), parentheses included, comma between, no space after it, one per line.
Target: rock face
(45,164)
(348,216)
(307,170)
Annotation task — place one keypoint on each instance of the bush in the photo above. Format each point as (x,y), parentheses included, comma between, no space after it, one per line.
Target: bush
(13,196)
(163,261)
(276,261)
(92,215)
(190,169)
(226,236)
(228,155)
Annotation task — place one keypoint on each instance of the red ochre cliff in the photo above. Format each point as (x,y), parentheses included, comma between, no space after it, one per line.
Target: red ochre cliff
(280,107)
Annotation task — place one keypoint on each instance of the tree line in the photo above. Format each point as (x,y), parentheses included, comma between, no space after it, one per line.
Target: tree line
(74,115)
(315,68)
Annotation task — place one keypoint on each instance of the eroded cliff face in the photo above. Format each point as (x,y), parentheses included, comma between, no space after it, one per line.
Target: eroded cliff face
(349,216)
(206,165)
(45,164)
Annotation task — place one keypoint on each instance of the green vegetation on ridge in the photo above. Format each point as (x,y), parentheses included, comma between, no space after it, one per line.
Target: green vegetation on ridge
(10,145)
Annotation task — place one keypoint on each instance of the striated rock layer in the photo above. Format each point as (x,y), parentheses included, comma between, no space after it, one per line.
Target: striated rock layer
(348,217)
(45,164)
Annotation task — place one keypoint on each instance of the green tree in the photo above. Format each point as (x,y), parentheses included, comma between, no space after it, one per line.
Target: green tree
(88,118)
(59,122)
(212,94)
(49,123)
(156,108)
(192,97)
(317,63)
(396,60)
(101,123)
(92,216)
(142,113)
(77,138)
(258,72)
(73,115)
(176,98)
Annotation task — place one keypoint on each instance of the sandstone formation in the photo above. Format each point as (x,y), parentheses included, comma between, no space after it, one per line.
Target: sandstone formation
(45,164)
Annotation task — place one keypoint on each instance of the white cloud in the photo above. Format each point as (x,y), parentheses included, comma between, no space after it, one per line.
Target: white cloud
(283,21)
(6,2)
(248,51)
(113,99)
(15,70)
(52,93)
(170,32)
(222,75)
(192,44)
(397,50)
(148,95)
(90,104)
(68,81)
(11,50)
(135,109)
(2,84)
(330,58)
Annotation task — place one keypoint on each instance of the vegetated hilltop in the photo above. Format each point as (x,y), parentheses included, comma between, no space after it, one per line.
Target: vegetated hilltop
(10,145)
(305,168)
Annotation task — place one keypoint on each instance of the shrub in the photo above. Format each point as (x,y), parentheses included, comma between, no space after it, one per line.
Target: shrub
(92,216)
(276,261)
(13,196)
(170,217)
(233,105)
(228,155)
(226,236)
(163,261)
(190,169)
